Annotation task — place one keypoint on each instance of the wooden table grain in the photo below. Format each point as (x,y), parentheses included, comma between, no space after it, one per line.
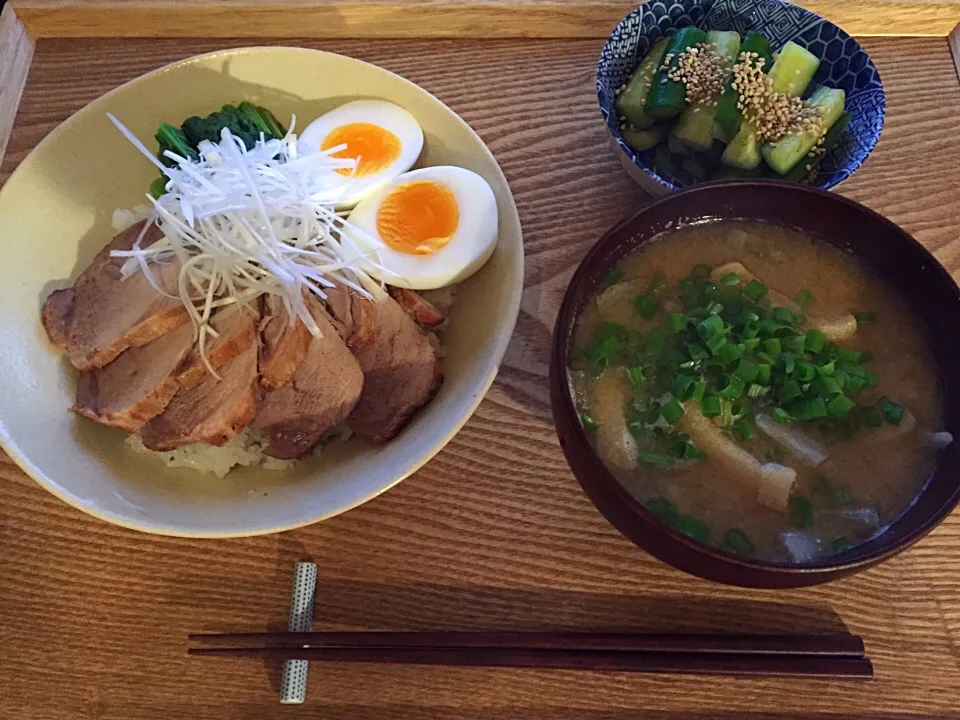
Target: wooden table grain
(494,532)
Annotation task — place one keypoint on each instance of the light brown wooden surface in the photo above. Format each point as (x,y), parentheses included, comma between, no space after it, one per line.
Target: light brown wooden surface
(421,18)
(16,52)
(494,532)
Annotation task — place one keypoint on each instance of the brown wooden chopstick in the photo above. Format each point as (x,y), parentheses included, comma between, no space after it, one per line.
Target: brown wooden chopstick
(827,644)
(596,660)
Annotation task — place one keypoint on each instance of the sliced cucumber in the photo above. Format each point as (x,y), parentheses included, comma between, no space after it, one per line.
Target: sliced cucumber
(728,115)
(743,152)
(695,124)
(667,97)
(641,140)
(790,149)
(631,101)
(793,69)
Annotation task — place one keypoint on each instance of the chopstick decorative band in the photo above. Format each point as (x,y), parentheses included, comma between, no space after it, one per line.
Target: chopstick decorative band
(293,686)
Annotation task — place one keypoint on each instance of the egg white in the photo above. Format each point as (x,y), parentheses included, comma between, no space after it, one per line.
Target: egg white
(469,248)
(388,116)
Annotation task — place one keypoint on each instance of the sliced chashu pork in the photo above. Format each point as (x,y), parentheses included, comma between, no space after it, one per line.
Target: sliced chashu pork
(322,391)
(136,386)
(139,384)
(283,345)
(400,369)
(213,411)
(102,314)
(417,307)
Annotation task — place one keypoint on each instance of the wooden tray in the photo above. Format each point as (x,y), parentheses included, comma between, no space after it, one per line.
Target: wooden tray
(494,532)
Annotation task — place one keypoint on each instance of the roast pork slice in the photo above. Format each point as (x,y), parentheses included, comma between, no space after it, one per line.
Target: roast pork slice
(137,386)
(321,393)
(102,314)
(213,411)
(400,371)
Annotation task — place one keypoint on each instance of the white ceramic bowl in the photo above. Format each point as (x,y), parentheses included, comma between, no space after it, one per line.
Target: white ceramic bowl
(55,214)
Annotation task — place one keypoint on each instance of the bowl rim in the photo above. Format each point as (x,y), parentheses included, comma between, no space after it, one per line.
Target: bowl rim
(660,184)
(495,352)
(602,483)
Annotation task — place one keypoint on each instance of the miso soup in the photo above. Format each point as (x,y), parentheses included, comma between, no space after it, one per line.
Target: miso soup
(758,390)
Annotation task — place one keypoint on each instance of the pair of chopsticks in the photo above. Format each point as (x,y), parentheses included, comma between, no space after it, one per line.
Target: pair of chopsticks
(837,655)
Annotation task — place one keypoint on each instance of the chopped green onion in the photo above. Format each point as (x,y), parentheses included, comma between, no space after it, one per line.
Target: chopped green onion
(613,275)
(658,283)
(730,353)
(716,342)
(773,346)
(698,389)
(841,497)
(804,371)
(815,340)
(782,316)
(754,290)
(805,298)
(683,387)
(795,344)
(781,416)
(743,430)
(737,542)
(799,318)
(828,386)
(892,412)
(697,353)
(872,417)
(672,411)
(657,459)
(801,511)
(676,322)
(730,387)
(730,279)
(847,356)
(827,368)
(790,391)
(869,378)
(711,406)
(840,543)
(839,406)
(812,409)
(645,306)
(864,318)
(662,508)
(636,377)
(747,370)
(656,341)
(754,390)
(689,525)
(764,372)
(710,327)
(589,424)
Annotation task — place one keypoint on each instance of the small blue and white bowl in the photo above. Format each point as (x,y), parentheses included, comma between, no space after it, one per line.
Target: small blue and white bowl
(844,64)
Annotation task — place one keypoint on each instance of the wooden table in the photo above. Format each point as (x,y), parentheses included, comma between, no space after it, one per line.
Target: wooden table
(494,532)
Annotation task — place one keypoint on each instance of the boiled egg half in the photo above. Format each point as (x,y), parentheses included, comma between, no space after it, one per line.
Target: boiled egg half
(427,228)
(384,140)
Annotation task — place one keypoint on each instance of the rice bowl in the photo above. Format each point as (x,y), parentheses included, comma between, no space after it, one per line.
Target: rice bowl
(94,469)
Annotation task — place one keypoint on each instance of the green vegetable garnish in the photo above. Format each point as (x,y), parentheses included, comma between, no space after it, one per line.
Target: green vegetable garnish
(672,411)
(892,412)
(864,318)
(805,298)
(801,511)
(840,543)
(737,542)
(645,306)
(588,422)
(612,276)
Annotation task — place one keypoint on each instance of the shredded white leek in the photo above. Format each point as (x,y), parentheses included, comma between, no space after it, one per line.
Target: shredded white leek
(243,222)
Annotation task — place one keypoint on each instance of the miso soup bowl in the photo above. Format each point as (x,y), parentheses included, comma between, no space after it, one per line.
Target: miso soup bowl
(905,265)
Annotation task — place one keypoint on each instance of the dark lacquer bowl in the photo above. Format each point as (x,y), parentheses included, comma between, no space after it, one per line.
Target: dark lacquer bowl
(897,258)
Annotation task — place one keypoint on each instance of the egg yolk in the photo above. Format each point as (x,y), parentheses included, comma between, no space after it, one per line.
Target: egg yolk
(418,218)
(376,147)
